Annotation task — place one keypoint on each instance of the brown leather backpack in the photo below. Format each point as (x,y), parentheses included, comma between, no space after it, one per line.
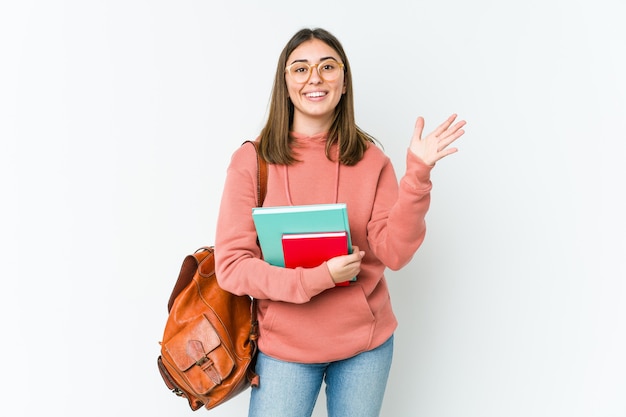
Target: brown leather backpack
(209,344)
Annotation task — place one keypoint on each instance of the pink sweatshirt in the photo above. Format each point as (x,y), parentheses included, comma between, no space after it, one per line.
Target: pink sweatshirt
(303,317)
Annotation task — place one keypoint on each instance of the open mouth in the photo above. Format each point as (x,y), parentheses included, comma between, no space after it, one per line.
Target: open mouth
(315,94)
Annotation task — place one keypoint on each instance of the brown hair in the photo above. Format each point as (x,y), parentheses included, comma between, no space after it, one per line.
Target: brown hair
(274,137)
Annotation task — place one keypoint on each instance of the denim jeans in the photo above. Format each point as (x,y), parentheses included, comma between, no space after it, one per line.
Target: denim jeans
(354,387)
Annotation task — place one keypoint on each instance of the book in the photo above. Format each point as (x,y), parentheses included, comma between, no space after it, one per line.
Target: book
(309,250)
(273,222)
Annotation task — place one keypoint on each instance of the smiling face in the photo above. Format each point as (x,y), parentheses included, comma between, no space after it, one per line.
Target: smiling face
(315,100)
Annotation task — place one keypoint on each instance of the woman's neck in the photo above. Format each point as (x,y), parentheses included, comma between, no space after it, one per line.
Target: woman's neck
(310,126)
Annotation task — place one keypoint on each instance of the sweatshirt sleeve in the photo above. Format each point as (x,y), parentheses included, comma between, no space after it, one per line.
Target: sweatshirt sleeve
(238,264)
(397,227)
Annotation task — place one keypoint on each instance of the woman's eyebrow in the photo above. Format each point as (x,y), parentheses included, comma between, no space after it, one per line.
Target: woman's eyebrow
(324,58)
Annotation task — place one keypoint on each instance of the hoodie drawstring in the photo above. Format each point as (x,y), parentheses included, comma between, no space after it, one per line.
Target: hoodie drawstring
(288,192)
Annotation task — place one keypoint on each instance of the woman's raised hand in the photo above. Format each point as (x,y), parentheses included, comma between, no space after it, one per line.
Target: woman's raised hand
(435,145)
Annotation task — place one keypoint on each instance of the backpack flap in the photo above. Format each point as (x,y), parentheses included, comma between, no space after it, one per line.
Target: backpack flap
(199,355)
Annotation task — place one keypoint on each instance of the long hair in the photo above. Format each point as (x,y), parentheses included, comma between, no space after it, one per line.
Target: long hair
(275,140)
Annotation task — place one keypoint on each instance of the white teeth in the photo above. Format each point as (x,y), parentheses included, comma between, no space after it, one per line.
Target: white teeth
(316,94)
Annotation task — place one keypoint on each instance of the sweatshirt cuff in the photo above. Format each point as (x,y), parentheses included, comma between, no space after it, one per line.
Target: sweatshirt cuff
(316,280)
(418,170)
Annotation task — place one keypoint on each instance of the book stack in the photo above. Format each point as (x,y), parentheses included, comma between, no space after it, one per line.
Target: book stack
(302,236)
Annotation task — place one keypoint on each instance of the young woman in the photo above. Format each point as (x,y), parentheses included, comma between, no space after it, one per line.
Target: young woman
(310,329)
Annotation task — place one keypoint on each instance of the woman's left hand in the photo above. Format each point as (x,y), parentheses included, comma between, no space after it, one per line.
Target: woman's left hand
(435,145)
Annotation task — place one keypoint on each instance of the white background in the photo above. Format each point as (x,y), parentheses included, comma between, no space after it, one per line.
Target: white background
(118,119)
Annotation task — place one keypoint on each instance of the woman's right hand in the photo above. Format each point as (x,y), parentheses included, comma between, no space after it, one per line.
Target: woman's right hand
(344,268)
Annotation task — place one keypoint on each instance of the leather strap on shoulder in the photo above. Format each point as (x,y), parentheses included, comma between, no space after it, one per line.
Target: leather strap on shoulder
(261,192)
(261,174)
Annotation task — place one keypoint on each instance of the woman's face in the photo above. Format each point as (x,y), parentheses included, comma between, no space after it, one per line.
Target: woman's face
(314,100)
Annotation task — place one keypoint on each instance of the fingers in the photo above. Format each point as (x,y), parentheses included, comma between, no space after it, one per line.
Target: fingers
(419,127)
(356,255)
(457,126)
(344,268)
(434,146)
(446,152)
(445,125)
(353,264)
(443,130)
(451,135)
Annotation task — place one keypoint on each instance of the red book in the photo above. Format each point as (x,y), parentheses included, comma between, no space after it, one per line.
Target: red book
(309,250)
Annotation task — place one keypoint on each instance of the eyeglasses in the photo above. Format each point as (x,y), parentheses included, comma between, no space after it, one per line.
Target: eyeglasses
(328,70)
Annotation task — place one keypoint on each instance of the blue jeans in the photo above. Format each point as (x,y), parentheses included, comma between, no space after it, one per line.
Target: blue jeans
(354,387)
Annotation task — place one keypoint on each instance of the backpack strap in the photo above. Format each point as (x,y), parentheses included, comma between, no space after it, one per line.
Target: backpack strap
(261,174)
(261,192)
